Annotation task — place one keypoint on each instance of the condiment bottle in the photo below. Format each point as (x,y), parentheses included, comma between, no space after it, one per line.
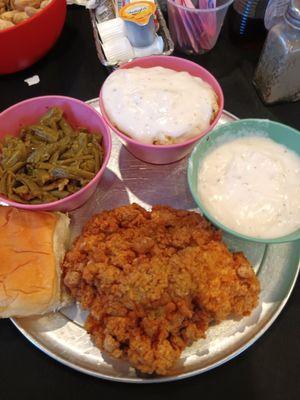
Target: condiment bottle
(277,76)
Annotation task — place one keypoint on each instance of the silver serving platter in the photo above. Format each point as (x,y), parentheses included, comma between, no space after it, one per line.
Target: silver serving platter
(61,335)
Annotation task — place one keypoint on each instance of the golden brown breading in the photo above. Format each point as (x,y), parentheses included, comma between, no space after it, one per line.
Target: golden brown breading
(154,281)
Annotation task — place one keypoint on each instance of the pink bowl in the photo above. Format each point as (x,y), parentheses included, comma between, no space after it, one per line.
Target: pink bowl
(78,114)
(165,154)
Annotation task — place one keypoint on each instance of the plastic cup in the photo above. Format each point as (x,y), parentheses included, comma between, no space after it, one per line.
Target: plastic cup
(195,28)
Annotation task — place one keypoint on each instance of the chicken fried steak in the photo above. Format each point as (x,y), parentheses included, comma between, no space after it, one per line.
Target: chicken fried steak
(154,282)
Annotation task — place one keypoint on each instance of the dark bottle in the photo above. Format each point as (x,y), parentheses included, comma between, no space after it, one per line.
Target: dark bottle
(247,20)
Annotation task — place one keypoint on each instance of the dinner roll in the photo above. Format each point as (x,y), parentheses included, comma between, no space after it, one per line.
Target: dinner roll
(33,245)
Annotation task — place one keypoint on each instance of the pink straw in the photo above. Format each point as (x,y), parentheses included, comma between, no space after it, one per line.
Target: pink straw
(194,30)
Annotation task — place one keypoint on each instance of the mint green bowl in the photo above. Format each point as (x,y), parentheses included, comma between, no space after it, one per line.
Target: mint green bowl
(280,133)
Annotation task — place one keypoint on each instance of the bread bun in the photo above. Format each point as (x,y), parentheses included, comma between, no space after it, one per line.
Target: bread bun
(33,245)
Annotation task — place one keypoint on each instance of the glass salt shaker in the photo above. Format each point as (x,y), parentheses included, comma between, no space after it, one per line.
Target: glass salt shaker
(277,76)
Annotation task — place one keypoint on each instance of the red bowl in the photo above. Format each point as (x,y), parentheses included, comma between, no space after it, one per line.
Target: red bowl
(24,44)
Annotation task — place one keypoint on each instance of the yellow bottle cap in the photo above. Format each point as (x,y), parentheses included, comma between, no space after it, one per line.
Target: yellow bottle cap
(138,12)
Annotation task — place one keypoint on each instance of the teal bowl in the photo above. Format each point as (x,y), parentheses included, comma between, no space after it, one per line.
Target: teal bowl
(280,133)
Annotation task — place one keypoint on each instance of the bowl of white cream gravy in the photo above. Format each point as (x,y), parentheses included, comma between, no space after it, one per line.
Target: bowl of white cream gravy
(245,178)
(160,106)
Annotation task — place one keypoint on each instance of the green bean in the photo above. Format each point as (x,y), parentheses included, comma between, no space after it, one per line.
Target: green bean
(60,194)
(18,166)
(96,138)
(41,176)
(83,140)
(53,116)
(44,165)
(12,156)
(48,134)
(49,160)
(3,183)
(39,154)
(10,183)
(88,165)
(71,172)
(17,198)
(32,186)
(65,127)
(48,198)
(35,201)
(64,145)
(54,157)
(72,187)
(96,153)
(58,184)
(73,160)
(21,190)
(29,170)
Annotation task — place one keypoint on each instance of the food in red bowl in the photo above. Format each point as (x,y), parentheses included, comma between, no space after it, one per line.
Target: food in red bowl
(24,43)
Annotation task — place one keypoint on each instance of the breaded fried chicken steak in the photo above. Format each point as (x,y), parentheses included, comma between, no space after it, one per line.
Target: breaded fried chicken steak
(154,282)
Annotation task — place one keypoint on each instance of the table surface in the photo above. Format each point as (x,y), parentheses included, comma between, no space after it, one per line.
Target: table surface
(267,370)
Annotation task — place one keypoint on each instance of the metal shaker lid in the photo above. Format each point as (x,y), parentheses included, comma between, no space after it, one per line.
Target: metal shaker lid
(293,13)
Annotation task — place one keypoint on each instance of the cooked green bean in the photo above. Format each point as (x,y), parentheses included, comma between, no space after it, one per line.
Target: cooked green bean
(60,194)
(54,157)
(34,189)
(58,184)
(88,165)
(49,160)
(44,165)
(36,201)
(71,188)
(18,199)
(21,190)
(41,176)
(44,132)
(10,182)
(18,166)
(97,159)
(3,183)
(52,117)
(71,173)
(65,127)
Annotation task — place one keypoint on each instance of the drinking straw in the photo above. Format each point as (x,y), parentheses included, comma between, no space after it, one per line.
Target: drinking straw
(194,30)
(177,25)
(209,22)
(195,21)
(188,26)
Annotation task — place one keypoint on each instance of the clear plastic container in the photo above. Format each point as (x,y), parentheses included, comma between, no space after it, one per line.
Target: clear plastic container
(277,76)
(275,12)
(195,28)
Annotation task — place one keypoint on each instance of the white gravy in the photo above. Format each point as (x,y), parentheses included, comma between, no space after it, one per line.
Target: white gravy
(158,105)
(252,185)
